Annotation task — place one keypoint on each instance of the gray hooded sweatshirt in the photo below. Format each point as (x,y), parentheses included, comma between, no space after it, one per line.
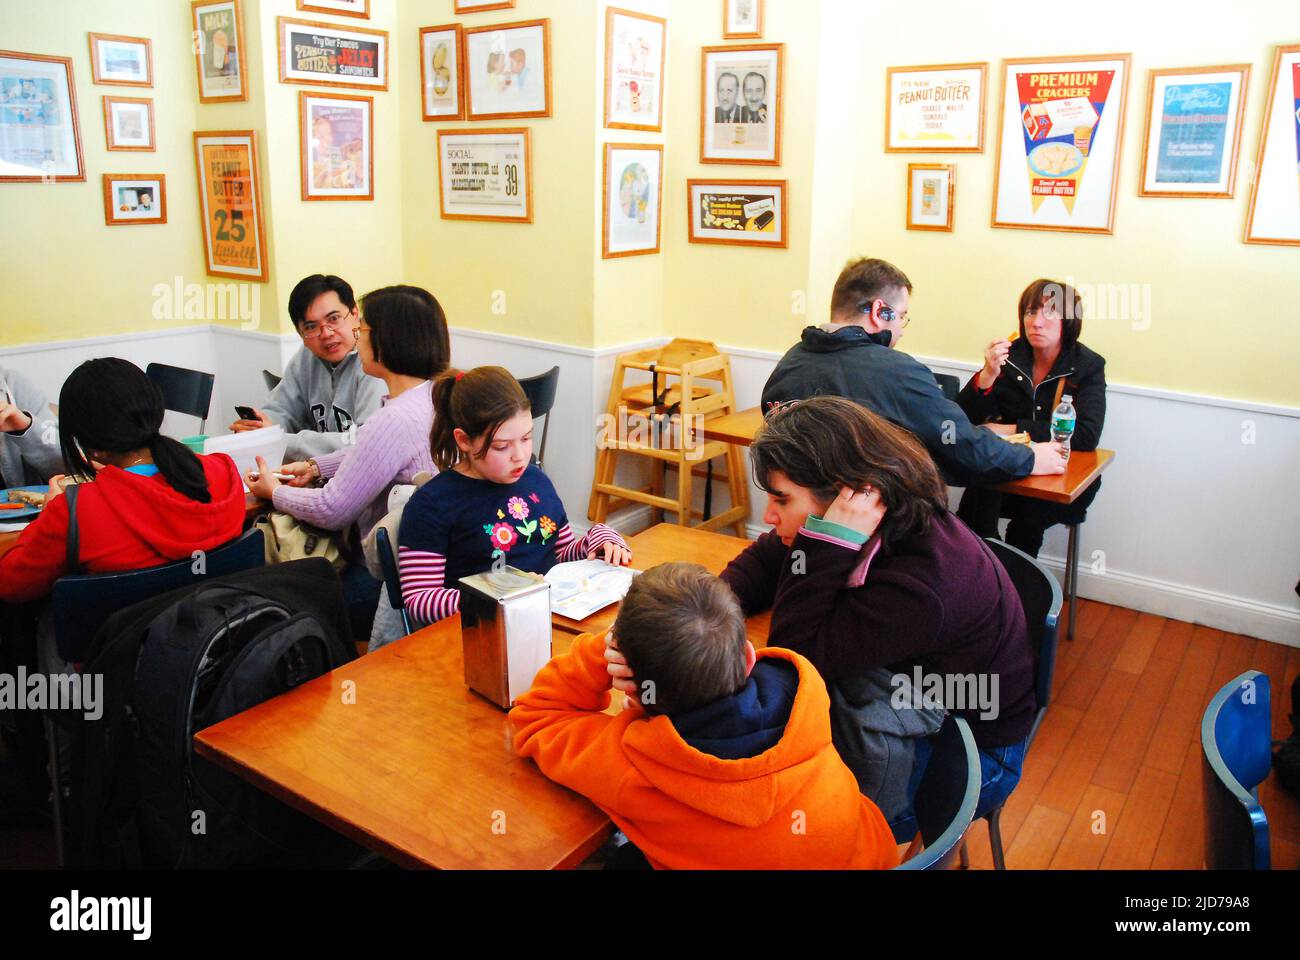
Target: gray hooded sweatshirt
(32,456)
(316,405)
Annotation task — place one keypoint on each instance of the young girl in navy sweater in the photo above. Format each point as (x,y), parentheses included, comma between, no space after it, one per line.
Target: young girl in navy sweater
(488,501)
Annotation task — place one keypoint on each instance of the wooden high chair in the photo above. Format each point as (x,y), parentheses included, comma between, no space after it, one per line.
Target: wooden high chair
(690,382)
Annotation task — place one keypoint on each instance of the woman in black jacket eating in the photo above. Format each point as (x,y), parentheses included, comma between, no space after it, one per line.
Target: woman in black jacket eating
(1019,386)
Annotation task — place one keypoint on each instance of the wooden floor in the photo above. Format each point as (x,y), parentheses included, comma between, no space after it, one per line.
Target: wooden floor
(1119,748)
(1113,779)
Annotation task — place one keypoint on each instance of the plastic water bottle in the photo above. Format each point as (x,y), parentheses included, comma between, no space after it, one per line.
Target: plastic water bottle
(1063,418)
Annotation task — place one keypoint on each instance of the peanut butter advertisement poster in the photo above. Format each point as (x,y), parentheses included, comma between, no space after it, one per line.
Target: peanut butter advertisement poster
(232,232)
(1059,147)
(1060,113)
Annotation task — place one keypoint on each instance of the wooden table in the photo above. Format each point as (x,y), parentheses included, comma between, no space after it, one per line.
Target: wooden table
(662,544)
(253,508)
(419,769)
(1081,471)
(738,428)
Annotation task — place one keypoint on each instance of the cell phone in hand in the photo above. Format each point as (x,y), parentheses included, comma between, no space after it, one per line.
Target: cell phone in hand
(246,413)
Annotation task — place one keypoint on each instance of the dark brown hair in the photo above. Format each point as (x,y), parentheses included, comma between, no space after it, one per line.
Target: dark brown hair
(1065,297)
(683,635)
(478,402)
(828,442)
(408,330)
(862,281)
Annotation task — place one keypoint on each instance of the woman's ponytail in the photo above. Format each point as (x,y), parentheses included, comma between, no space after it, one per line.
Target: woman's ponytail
(180,467)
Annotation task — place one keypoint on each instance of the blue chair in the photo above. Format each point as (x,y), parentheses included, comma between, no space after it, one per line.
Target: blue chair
(82,603)
(540,391)
(1041,598)
(392,581)
(183,390)
(1236,754)
(946,798)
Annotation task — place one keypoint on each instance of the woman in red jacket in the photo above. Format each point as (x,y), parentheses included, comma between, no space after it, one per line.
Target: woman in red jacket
(153,500)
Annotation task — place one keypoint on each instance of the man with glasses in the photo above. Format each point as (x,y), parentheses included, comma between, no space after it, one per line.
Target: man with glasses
(324,392)
(851,357)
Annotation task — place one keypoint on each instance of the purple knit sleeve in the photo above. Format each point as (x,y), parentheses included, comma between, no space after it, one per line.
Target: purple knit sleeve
(384,446)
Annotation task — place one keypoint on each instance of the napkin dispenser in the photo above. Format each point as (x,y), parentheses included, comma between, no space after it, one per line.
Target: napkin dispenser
(505,627)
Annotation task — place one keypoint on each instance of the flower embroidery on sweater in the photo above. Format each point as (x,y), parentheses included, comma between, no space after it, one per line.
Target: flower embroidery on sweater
(502,535)
(548,528)
(519,510)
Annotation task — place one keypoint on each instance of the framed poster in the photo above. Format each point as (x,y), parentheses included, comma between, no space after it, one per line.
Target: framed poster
(742,19)
(442,72)
(125,61)
(635,49)
(336,140)
(1275,195)
(930,188)
(936,109)
(748,212)
(342,8)
(331,55)
(740,115)
(486,175)
(230,204)
(479,6)
(1059,139)
(219,50)
(508,70)
(1193,133)
(633,199)
(128,123)
(135,198)
(40,138)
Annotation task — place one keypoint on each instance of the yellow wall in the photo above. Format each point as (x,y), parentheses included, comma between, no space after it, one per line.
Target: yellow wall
(1224,314)
(65,273)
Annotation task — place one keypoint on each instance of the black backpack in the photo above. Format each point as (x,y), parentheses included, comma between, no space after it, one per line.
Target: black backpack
(173,666)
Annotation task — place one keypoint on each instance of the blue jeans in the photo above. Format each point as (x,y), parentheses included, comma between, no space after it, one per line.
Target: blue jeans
(1000,769)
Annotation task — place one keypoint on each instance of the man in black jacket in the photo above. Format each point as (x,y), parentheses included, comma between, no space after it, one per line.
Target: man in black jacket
(851,357)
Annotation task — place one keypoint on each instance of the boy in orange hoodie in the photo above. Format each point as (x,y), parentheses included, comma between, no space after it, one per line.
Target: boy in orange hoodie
(724,760)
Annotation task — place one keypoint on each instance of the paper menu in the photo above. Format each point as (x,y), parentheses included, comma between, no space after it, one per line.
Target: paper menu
(581,588)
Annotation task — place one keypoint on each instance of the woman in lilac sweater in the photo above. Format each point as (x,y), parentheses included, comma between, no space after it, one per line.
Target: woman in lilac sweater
(866,568)
(403,341)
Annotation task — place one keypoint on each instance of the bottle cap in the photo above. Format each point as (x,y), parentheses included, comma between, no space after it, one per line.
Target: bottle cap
(1067,399)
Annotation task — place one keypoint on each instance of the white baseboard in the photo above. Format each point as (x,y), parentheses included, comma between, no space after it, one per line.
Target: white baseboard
(1180,602)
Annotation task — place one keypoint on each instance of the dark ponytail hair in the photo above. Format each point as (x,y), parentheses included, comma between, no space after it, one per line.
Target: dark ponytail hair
(109,404)
(478,402)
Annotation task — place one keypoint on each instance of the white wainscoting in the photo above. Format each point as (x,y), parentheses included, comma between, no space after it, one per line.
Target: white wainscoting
(1198,518)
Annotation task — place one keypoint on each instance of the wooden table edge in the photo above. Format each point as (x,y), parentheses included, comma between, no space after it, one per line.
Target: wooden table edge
(397,853)
(1104,459)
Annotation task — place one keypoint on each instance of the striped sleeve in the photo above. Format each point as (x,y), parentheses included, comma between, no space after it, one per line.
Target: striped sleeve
(568,549)
(422,575)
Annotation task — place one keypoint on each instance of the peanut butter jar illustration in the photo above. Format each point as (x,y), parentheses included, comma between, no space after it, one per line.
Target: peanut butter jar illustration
(1083,139)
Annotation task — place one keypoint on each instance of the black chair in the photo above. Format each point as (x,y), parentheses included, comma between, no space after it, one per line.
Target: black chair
(272,381)
(184,391)
(81,604)
(540,391)
(1236,754)
(1040,596)
(392,581)
(950,385)
(947,796)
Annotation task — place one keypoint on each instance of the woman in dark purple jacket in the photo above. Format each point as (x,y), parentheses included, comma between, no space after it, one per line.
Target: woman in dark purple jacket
(866,568)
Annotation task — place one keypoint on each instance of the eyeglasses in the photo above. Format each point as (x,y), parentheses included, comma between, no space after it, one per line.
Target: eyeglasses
(311,330)
(906,317)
